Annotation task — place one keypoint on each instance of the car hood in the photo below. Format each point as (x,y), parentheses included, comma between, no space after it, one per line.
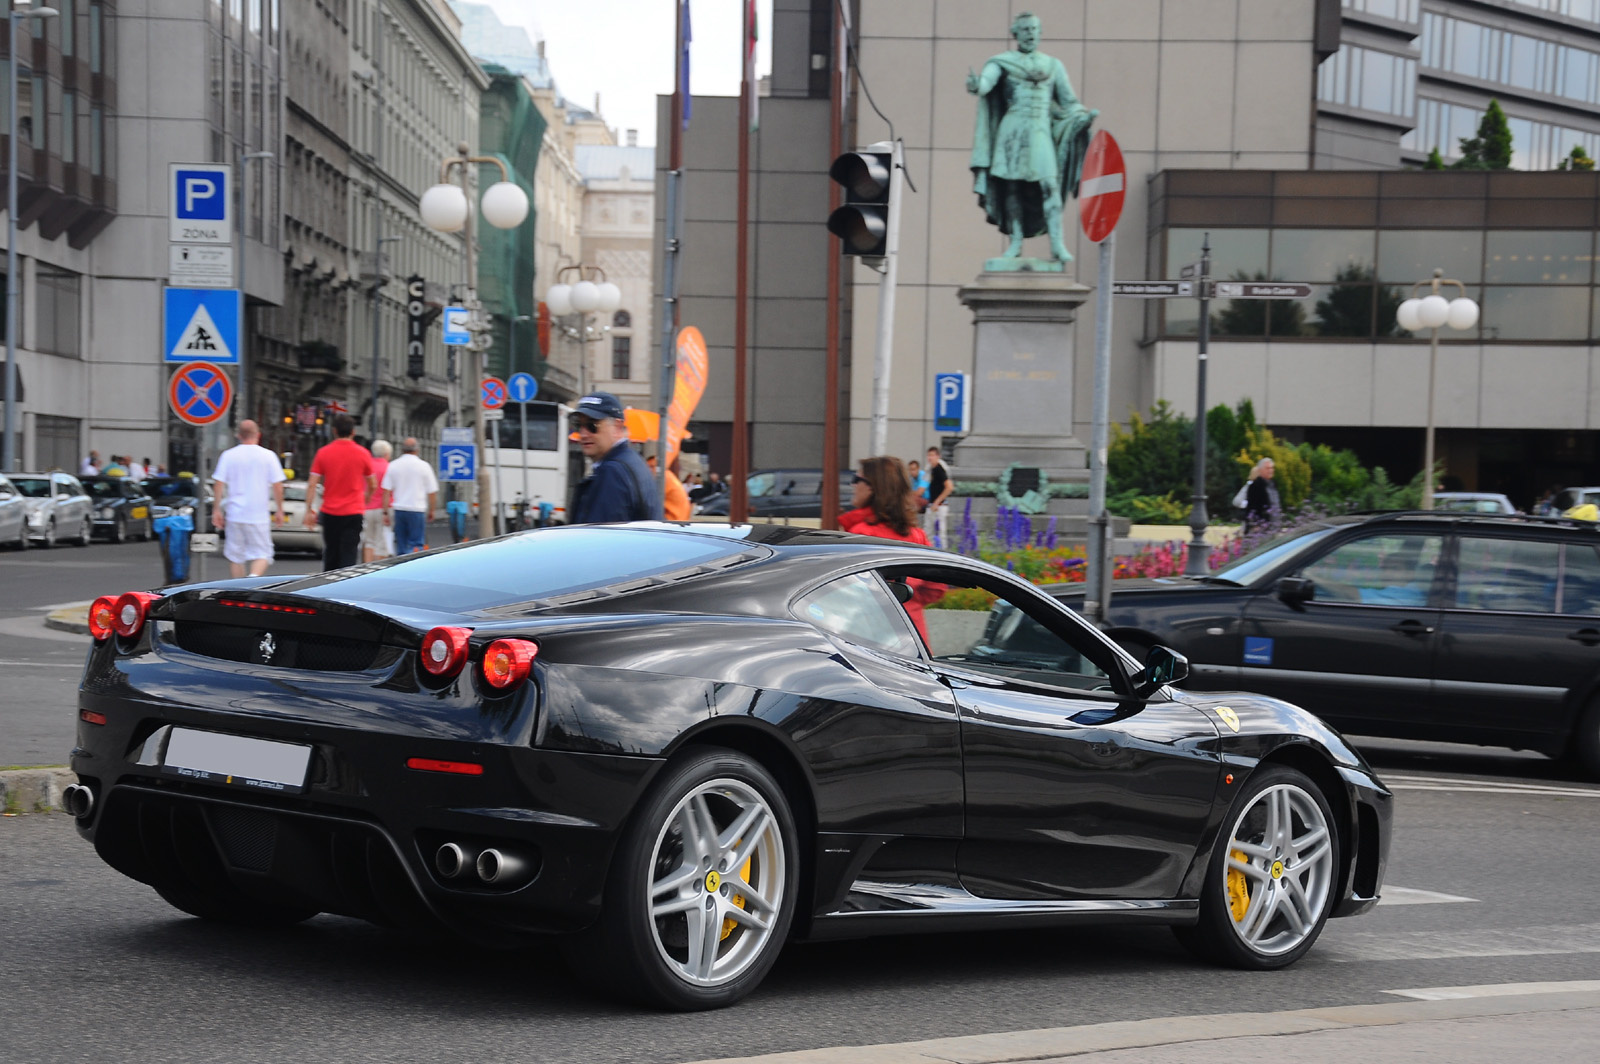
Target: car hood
(35,506)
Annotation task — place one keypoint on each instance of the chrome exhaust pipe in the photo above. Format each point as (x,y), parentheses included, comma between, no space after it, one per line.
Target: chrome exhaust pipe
(500,868)
(78,800)
(453,861)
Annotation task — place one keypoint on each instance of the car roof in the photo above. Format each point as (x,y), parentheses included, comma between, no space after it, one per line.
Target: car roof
(1462,517)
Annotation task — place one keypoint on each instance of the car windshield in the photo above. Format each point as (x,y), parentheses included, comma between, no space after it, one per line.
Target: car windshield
(33,487)
(294,493)
(531,565)
(760,484)
(167,487)
(1270,554)
(103,487)
(1471,506)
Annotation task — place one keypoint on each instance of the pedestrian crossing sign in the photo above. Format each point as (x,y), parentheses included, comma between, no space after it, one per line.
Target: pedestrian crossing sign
(201,325)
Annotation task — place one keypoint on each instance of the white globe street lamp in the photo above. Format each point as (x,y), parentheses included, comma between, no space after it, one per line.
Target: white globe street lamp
(559,300)
(585,297)
(444,208)
(610,298)
(1433,312)
(505,205)
(587,293)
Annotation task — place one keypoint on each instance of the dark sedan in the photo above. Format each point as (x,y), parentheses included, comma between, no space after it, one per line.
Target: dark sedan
(778,493)
(1461,627)
(122,508)
(680,747)
(173,494)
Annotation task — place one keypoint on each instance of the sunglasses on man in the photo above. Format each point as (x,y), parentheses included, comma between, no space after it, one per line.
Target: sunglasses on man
(583,424)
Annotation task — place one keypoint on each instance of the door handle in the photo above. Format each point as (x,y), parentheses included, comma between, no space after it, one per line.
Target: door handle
(1587,636)
(1418,628)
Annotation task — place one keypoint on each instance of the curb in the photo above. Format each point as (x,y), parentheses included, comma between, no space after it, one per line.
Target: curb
(1052,1044)
(34,790)
(73,618)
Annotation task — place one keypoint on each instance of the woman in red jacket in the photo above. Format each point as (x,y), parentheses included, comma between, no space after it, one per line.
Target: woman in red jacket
(886,507)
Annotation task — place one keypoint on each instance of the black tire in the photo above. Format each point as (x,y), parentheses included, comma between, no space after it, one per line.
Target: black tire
(149,532)
(232,908)
(49,539)
(86,533)
(24,541)
(1583,752)
(1221,936)
(629,951)
(119,530)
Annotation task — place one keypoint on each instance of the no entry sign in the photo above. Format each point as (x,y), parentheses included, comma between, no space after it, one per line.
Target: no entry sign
(1102,187)
(200,393)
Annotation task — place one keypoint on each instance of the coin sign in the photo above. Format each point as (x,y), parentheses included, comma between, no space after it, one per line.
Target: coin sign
(494,393)
(200,393)
(1102,187)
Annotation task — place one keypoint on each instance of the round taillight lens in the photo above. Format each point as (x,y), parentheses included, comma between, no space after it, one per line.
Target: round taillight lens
(444,650)
(102,617)
(129,612)
(506,662)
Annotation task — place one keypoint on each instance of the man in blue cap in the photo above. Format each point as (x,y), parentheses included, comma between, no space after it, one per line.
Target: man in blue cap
(620,487)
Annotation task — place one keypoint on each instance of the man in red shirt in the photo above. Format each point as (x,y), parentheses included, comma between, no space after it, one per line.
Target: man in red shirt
(344,469)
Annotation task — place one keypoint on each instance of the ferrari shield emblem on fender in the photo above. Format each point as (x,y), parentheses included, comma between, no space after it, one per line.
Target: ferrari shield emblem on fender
(1229,717)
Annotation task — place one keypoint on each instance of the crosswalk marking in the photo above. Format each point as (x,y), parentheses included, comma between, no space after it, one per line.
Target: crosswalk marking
(1459,993)
(1487,942)
(1413,896)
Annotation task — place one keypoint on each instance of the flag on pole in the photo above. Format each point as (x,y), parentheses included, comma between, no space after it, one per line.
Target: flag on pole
(750,84)
(683,64)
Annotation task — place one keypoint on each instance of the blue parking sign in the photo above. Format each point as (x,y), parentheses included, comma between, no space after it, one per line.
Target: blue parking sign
(201,204)
(952,403)
(458,461)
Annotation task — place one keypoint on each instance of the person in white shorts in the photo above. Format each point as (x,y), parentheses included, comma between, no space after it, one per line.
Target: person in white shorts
(245,476)
(376,538)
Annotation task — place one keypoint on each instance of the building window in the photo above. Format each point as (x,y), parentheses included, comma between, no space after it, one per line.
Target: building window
(57,297)
(97,151)
(69,127)
(69,26)
(1369,80)
(621,358)
(621,320)
(1399,10)
(56,442)
(94,39)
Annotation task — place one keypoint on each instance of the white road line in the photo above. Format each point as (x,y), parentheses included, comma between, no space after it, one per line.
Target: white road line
(48,664)
(1459,993)
(1489,942)
(1413,896)
(1522,789)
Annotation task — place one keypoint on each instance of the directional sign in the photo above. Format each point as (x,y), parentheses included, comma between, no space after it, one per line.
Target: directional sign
(201,325)
(522,387)
(1261,290)
(952,403)
(1153,289)
(1102,187)
(494,414)
(458,461)
(1189,271)
(200,393)
(456,333)
(494,393)
(201,204)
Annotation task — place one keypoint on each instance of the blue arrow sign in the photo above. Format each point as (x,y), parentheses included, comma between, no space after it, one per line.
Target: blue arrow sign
(201,325)
(458,461)
(522,387)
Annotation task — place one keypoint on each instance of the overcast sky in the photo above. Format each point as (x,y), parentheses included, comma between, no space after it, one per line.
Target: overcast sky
(622,49)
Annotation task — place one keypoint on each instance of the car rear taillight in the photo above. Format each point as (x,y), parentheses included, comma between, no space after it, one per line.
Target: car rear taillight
(507,661)
(129,612)
(444,650)
(102,617)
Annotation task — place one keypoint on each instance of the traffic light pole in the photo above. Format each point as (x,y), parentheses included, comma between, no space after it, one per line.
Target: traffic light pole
(884,353)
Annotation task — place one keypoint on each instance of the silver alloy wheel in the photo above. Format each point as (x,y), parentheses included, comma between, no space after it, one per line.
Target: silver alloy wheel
(717,882)
(1280,864)
(50,534)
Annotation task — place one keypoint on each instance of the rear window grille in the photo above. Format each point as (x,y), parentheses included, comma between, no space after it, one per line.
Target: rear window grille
(288,650)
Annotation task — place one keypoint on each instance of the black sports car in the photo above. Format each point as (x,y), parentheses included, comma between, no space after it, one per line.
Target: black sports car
(678,746)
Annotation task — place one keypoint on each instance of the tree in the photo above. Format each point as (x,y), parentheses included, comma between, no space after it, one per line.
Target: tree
(1249,317)
(1578,159)
(1491,148)
(1435,160)
(1347,308)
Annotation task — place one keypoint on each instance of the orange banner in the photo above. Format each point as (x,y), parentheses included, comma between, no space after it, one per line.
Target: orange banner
(693,367)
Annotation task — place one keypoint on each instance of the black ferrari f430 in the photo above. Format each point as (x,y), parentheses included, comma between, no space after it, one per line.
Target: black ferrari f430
(679,747)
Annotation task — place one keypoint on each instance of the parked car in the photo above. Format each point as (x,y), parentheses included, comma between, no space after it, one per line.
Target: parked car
(292,534)
(171,494)
(782,493)
(13,515)
(1567,498)
(58,508)
(676,747)
(1473,502)
(1469,628)
(121,508)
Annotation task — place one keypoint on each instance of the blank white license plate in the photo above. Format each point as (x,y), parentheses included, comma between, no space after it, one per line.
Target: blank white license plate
(205,543)
(218,758)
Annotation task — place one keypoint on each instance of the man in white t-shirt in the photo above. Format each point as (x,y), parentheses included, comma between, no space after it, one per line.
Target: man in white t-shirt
(245,476)
(413,493)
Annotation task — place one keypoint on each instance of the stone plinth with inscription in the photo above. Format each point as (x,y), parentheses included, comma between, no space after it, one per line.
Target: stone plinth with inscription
(1022,383)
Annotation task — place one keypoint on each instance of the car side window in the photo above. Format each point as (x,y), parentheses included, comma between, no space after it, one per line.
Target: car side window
(760,484)
(858,610)
(1396,569)
(1506,575)
(1580,580)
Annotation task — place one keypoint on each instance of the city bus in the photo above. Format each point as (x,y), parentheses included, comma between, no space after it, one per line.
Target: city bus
(537,471)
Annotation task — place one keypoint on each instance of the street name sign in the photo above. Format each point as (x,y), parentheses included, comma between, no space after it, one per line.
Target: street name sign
(1262,290)
(201,325)
(1153,289)
(1102,188)
(200,265)
(494,414)
(201,203)
(1189,271)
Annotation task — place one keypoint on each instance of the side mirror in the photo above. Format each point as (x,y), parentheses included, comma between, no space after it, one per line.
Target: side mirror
(1296,590)
(902,591)
(1162,666)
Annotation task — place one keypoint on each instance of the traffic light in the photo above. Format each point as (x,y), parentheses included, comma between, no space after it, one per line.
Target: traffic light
(863,222)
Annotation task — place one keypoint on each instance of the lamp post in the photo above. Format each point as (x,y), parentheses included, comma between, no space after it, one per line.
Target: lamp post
(12,457)
(579,300)
(377,307)
(446,208)
(523,407)
(1432,312)
(245,159)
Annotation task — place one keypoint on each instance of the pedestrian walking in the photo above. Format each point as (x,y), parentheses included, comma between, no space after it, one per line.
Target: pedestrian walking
(674,499)
(343,469)
(935,519)
(1261,505)
(619,487)
(885,506)
(246,476)
(413,493)
(919,484)
(136,471)
(374,524)
(115,468)
(90,466)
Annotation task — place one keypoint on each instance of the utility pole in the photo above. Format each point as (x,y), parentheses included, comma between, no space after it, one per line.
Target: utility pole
(1199,549)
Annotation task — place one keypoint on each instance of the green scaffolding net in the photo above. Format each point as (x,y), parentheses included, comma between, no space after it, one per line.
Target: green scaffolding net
(511,128)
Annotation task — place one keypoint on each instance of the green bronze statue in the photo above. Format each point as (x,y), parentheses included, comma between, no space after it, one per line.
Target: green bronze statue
(1029,144)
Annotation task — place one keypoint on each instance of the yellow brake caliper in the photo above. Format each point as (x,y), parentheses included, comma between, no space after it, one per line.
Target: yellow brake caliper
(1238,889)
(728,923)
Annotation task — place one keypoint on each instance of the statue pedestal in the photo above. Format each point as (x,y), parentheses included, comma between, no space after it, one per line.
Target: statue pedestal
(1022,379)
